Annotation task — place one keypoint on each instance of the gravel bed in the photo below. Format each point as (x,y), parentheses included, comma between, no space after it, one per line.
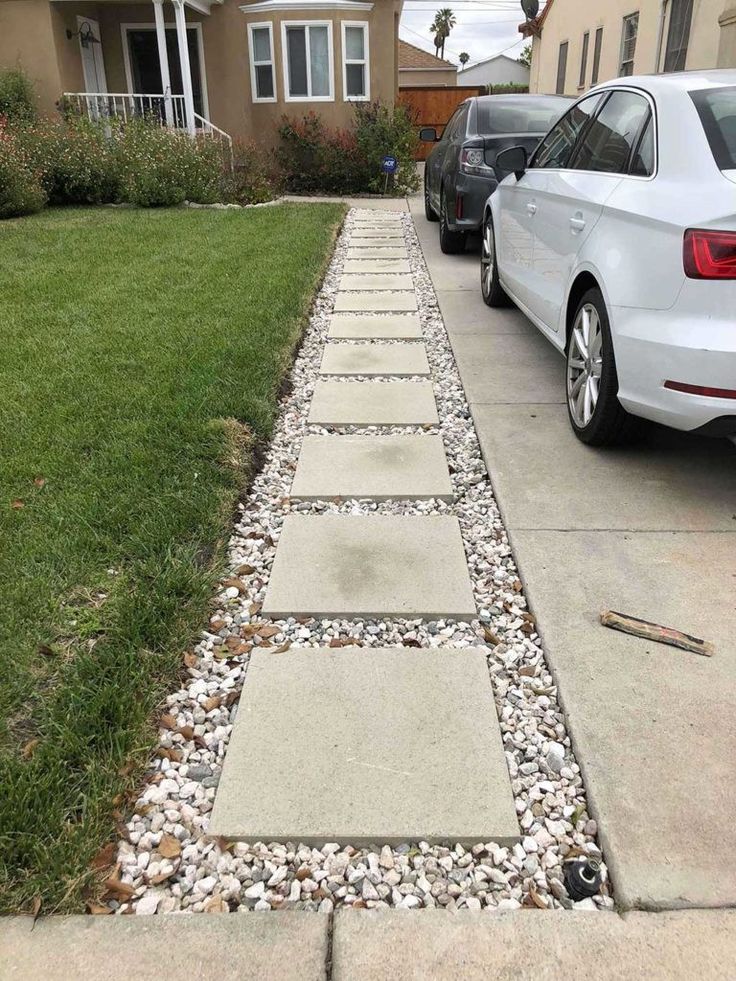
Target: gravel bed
(167,856)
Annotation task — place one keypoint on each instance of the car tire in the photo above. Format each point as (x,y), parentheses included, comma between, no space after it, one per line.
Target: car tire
(591,381)
(451,243)
(428,212)
(494,295)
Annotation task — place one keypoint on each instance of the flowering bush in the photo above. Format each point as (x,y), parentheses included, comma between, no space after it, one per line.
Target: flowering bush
(253,179)
(314,158)
(17,99)
(76,160)
(21,192)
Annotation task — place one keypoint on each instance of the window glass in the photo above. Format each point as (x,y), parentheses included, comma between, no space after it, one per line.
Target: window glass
(561,68)
(319,57)
(556,148)
(354,43)
(262,61)
(501,114)
(355,61)
(597,56)
(642,163)
(717,111)
(308,61)
(628,43)
(261,44)
(296,43)
(584,60)
(607,144)
(678,35)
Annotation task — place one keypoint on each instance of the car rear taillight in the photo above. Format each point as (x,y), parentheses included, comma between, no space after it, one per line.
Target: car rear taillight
(704,390)
(473,161)
(709,254)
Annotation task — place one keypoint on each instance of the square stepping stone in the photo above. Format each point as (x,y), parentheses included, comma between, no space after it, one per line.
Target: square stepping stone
(376,467)
(378,565)
(374,359)
(374,404)
(377,252)
(376,266)
(377,234)
(376,281)
(366,746)
(396,326)
(396,302)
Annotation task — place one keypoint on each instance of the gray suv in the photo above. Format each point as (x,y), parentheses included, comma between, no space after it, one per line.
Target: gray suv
(460,171)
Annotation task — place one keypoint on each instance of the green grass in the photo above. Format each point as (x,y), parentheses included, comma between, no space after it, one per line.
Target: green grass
(132,342)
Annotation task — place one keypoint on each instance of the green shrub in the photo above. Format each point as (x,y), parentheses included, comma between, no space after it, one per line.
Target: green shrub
(77,161)
(252,179)
(17,98)
(506,88)
(316,159)
(21,192)
(159,167)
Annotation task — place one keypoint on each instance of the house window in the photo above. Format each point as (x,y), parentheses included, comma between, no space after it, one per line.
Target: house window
(308,69)
(584,60)
(561,68)
(355,76)
(628,43)
(262,79)
(597,56)
(678,35)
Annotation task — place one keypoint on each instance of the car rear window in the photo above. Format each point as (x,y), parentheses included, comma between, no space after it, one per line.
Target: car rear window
(717,111)
(518,116)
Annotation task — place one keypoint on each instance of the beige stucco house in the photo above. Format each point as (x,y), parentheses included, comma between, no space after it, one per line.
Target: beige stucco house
(576,43)
(419,67)
(237,65)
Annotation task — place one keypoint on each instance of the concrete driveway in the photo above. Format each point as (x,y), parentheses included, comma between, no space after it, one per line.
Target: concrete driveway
(648,530)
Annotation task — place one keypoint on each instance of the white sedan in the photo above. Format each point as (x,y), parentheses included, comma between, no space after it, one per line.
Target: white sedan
(617,238)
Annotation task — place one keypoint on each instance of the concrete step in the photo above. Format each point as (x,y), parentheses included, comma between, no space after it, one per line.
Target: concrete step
(376,233)
(376,266)
(337,565)
(374,359)
(396,302)
(377,404)
(400,745)
(393,326)
(375,281)
(377,467)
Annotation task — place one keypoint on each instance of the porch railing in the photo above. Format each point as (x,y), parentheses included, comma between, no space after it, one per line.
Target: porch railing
(126,105)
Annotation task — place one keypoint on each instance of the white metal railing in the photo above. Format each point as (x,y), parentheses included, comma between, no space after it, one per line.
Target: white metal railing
(209,129)
(167,110)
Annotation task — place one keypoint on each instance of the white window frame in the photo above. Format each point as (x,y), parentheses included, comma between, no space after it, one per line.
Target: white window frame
(366,61)
(629,61)
(253,63)
(285,58)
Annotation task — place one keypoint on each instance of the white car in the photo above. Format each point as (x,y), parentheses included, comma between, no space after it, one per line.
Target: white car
(617,238)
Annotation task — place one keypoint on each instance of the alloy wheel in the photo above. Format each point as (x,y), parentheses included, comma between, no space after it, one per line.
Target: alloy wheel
(487,258)
(584,365)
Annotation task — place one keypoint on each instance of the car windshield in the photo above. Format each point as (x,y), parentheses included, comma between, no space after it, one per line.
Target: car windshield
(717,111)
(499,115)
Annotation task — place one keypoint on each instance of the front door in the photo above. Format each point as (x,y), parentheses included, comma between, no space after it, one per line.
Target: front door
(145,67)
(90,48)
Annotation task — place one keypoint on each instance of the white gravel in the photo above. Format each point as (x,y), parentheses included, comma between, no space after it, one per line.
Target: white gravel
(168,857)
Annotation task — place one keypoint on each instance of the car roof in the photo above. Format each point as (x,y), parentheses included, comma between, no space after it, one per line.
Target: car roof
(674,81)
(516,97)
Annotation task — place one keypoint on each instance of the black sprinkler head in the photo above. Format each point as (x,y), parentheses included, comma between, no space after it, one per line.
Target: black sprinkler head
(583,878)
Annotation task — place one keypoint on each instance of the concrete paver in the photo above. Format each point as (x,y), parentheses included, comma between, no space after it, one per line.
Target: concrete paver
(378,467)
(400,745)
(395,302)
(533,945)
(377,252)
(291,946)
(376,233)
(387,326)
(330,565)
(377,404)
(376,266)
(375,281)
(374,359)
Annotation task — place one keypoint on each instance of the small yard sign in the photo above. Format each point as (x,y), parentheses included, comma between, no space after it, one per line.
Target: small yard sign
(389,164)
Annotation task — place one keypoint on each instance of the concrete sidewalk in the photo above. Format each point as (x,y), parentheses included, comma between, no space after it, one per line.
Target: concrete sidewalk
(649,530)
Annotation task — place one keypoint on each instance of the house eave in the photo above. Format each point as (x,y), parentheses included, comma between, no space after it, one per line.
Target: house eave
(276,6)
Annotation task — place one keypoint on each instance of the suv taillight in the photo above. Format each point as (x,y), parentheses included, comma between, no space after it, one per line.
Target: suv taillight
(709,254)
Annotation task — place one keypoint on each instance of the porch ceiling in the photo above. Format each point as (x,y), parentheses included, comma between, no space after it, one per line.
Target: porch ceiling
(203,6)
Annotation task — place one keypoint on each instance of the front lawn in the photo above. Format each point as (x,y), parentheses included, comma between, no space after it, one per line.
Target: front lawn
(140,349)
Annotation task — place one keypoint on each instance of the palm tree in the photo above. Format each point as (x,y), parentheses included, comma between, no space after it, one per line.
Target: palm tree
(444,21)
(464,58)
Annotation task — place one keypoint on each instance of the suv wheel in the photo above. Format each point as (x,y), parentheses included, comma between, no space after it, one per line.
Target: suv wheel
(596,415)
(450,242)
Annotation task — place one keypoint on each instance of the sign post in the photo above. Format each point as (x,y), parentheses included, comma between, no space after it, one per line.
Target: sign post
(389,165)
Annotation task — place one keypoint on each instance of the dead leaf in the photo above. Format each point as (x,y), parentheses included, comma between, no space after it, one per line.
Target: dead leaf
(233,643)
(335,642)
(411,642)
(39,481)
(216,904)
(17,504)
(246,570)
(29,749)
(254,608)
(169,846)
(187,732)
(191,660)
(211,703)
(105,857)
(516,585)
(96,909)
(491,637)
(224,845)
(527,670)
(284,647)
(237,583)
(232,697)
(266,632)
(217,625)
(36,907)
(118,888)
(167,721)
(537,899)
(156,880)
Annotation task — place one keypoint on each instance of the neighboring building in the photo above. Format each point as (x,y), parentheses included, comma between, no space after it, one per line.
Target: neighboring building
(576,43)
(242,66)
(418,67)
(499,70)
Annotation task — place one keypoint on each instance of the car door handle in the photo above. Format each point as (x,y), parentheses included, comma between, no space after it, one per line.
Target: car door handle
(531,208)
(577,224)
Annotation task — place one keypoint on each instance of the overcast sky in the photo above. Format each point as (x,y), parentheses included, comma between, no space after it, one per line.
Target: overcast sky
(484,27)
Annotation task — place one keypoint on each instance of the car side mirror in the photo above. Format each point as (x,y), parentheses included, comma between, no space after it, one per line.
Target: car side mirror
(428,134)
(514,160)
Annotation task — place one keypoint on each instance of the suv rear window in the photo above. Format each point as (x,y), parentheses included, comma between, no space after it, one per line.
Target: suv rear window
(501,115)
(717,111)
